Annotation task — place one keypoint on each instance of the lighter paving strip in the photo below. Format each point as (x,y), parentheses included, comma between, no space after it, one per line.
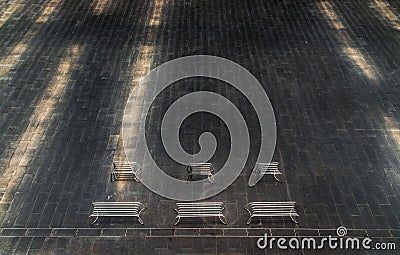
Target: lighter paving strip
(39,121)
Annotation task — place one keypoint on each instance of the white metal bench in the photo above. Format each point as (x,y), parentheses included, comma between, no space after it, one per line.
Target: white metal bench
(262,169)
(202,169)
(125,171)
(272,209)
(199,210)
(116,209)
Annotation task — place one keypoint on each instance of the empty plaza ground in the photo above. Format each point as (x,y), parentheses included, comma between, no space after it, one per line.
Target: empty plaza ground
(331,70)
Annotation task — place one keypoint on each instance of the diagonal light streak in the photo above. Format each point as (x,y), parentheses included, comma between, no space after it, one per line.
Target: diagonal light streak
(39,121)
(10,60)
(355,55)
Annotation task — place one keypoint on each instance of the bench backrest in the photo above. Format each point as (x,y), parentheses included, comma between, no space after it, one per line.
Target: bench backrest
(125,166)
(263,168)
(117,207)
(200,168)
(200,207)
(270,206)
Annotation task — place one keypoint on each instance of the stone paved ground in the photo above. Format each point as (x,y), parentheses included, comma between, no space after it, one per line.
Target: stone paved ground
(331,71)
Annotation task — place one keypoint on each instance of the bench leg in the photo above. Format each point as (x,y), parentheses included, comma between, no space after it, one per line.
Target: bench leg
(177,220)
(95,220)
(140,220)
(189,170)
(277,178)
(113,176)
(211,178)
(249,220)
(135,176)
(222,219)
(293,219)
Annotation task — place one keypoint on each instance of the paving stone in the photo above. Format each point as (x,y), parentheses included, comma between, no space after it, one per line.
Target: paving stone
(211,232)
(306,232)
(187,232)
(89,232)
(24,244)
(37,243)
(13,232)
(162,232)
(113,232)
(235,232)
(379,233)
(138,232)
(330,71)
(39,232)
(282,232)
(395,233)
(257,232)
(64,232)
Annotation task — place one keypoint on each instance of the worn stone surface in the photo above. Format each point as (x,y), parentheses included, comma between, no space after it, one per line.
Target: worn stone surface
(330,69)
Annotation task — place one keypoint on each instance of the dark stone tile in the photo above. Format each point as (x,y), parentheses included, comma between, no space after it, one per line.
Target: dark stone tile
(257,232)
(23,245)
(334,92)
(379,233)
(137,232)
(357,232)
(187,232)
(13,232)
(211,232)
(39,232)
(47,215)
(64,232)
(391,215)
(162,232)
(89,232)
(307,232)
(283,232)
(235,232)
(113,232)
(395,233)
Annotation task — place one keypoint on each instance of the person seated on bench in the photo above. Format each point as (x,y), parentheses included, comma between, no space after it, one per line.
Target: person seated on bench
(202,169)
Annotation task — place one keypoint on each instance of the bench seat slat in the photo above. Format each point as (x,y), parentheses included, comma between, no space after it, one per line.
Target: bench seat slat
(114,214)
(199,208)
(116,209)
(208,203)
(124,171)
(261,169)
(200,215)
(272,209)
(274,214)
(116,203)
(205,209)
(272,204)
(201,169)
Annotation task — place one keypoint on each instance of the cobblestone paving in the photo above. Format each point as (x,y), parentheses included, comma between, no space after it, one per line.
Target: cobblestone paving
(330,69)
